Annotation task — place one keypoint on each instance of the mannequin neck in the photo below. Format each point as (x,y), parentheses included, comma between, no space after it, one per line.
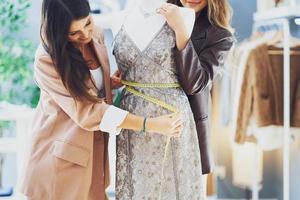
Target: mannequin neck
(150,5)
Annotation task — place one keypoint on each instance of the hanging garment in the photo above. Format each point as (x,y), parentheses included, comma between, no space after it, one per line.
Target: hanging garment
(247,165)
(239,59)
(276,62)
(225,97)
(261,92)
(296,105)
(145,169)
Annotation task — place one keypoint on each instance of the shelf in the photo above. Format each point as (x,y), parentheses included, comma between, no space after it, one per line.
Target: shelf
(9,145)
(276,13)
(11,115)
(10,112)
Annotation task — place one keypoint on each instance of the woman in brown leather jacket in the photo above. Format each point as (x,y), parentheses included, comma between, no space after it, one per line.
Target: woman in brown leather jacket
(201,58)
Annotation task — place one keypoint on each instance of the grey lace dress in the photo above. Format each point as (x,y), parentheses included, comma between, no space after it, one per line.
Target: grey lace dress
(143,171)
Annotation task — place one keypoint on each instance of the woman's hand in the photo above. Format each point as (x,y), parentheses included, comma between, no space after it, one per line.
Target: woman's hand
(175,20)
(169,125)
(173,16)
(116,80)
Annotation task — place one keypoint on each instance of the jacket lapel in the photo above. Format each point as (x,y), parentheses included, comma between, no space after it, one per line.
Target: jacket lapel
(102,56)
(199,35)
(201,25)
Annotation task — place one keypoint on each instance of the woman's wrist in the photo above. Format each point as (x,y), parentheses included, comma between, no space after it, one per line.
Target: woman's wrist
(143,130)
(133,122)
(150,124)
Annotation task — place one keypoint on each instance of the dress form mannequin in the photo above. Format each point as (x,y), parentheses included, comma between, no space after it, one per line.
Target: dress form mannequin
(143,29)
(155,167)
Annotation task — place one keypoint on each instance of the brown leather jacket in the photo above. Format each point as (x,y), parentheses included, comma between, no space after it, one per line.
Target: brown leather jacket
(197,65)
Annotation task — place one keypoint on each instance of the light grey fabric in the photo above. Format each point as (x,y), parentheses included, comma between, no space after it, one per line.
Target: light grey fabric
(140,158)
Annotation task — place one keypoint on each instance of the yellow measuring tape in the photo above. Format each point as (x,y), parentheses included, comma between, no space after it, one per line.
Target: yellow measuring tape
(151,99)
(130,88)
(151,85)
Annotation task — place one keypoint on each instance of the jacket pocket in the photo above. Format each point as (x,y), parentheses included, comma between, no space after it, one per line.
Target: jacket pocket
(71,171)
(71,153)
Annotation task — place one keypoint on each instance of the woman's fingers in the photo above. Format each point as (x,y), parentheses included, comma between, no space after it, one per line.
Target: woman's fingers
(117,73)
(177,122)
(164,9)
(116,79)
(178,129)
(177,134)
(168,6)
(176,117)
(162,12)
(116,82)
(174,122)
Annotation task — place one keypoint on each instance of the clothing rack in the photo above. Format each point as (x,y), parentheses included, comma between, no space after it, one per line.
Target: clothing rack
(282,23)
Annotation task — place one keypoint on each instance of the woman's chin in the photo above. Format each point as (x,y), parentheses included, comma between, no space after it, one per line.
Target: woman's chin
(84,41)
(197,6)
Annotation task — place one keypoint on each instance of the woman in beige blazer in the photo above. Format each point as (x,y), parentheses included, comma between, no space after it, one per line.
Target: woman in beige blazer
(68,157)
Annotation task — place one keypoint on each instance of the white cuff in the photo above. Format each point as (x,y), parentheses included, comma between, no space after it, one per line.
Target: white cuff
(112,119)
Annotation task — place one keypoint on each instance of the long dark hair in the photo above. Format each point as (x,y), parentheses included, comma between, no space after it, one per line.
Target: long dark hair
(57,16)
(219,13)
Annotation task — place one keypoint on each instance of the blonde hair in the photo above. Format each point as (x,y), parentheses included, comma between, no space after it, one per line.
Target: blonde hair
(220,14)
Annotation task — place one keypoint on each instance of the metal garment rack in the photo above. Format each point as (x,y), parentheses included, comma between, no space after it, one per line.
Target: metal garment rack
(284,23)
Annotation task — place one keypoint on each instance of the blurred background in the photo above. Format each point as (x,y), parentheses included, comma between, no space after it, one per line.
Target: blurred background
(263,165)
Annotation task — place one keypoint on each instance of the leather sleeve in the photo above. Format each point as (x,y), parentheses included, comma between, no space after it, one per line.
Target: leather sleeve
(197,68)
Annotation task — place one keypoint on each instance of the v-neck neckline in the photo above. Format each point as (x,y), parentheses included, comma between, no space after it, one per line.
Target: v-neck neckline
(142,51)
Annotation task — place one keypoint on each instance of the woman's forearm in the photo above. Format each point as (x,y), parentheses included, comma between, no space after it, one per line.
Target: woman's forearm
(132,122)
(136,123)
(182,38)
(167,125)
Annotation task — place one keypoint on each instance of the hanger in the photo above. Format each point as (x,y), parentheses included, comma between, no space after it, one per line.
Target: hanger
(281,52)
(278,37)
(274,36)
(277,41)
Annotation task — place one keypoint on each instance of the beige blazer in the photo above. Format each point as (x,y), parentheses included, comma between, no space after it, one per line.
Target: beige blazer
(68,157)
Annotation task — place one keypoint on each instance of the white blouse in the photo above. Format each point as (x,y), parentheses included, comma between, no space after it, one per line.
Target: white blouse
(113,116)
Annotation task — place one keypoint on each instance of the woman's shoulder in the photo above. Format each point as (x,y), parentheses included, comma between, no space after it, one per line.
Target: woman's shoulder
(217,33)
(220,30)
(43,61)
(221,37)
(42,54)
(98,34)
